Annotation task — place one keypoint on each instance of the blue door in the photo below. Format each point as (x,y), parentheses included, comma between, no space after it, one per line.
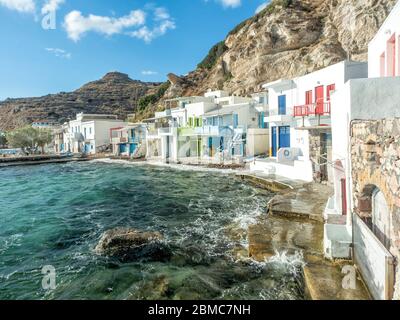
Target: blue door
(273,141)
(282,105)
(284,137)
(132,148)
(122,148)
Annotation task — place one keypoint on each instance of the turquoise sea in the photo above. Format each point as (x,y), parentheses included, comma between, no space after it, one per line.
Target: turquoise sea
(55,215)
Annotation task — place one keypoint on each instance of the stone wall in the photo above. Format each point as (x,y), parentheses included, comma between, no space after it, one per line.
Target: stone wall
(375,157)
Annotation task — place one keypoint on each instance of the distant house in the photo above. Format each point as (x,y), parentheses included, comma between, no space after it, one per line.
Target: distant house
(129,141)
(45,124)
(214,128)
(89,133)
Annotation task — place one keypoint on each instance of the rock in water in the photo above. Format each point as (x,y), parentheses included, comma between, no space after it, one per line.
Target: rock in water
(127,244)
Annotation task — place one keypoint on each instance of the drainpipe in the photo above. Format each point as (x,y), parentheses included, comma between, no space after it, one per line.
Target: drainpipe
(349,179)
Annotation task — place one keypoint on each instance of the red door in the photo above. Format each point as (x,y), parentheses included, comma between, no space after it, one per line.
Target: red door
(344,199)
(319,100)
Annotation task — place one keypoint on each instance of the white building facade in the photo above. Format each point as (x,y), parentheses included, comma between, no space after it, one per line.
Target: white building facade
(297,106)
(362,216)
(90,133)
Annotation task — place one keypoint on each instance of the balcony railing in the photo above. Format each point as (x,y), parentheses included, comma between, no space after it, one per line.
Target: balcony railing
(165,131)
(313,109)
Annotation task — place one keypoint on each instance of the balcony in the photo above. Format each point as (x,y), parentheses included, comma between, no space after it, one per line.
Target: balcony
(313,109)
(165,131)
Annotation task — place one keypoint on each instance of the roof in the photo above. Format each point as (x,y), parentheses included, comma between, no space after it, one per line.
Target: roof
(226,109)
(279,84)
(181,98)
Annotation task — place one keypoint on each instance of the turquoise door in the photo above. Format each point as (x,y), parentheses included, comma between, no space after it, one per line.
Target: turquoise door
(274,150)
(282,105)
(122,148)
(261,117)
(284,137)
(132,148)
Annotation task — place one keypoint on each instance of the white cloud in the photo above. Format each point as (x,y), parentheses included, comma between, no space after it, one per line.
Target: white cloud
(51,5)
(26,6)
(231,3)
(60,53)
(149,73)
(133,25)
(148,35)
(161,14)
(77,25)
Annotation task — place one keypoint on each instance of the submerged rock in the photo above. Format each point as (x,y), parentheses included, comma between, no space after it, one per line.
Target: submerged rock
(127,244)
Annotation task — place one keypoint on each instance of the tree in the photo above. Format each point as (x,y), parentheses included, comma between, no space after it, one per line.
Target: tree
(29,139)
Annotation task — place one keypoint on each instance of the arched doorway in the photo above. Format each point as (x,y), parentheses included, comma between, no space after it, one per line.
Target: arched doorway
(375,212)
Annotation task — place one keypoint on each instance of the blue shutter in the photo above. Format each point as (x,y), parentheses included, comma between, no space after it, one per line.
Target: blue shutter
(282,104)
(235,120)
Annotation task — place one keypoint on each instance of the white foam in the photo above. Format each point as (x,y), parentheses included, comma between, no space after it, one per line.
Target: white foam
(181,167)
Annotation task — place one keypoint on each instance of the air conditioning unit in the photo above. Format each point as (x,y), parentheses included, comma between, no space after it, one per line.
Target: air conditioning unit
(288,154)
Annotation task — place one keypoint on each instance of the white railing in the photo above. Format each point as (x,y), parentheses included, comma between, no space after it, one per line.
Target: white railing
(374,261)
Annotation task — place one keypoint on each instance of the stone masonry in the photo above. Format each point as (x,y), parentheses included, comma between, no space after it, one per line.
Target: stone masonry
(375,157)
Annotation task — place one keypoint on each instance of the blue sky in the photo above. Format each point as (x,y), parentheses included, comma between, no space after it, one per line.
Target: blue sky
(146,39)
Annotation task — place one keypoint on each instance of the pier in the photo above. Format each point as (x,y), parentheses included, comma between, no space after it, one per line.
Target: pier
(37,160)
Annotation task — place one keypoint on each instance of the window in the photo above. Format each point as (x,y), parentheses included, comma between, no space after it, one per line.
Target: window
(391,57)
(309,97)
(282,105)
(235,120)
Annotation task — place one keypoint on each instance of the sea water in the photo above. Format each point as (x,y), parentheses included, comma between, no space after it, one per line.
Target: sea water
(54,215)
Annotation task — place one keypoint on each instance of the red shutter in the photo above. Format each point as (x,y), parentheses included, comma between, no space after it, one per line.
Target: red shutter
(330,88)
(309,97)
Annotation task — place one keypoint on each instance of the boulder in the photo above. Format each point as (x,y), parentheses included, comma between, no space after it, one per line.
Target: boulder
(127,245)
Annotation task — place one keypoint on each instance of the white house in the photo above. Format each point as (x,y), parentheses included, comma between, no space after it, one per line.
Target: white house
(300,117)
(362,223)
(129,141)
(214,127)
(225,128)
(384,49)
(90,133)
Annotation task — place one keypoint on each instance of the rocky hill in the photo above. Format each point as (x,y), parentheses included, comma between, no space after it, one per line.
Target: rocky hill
(289,38)
(115,93)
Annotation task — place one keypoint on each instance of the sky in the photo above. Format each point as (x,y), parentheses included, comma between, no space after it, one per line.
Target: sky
(51,46)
